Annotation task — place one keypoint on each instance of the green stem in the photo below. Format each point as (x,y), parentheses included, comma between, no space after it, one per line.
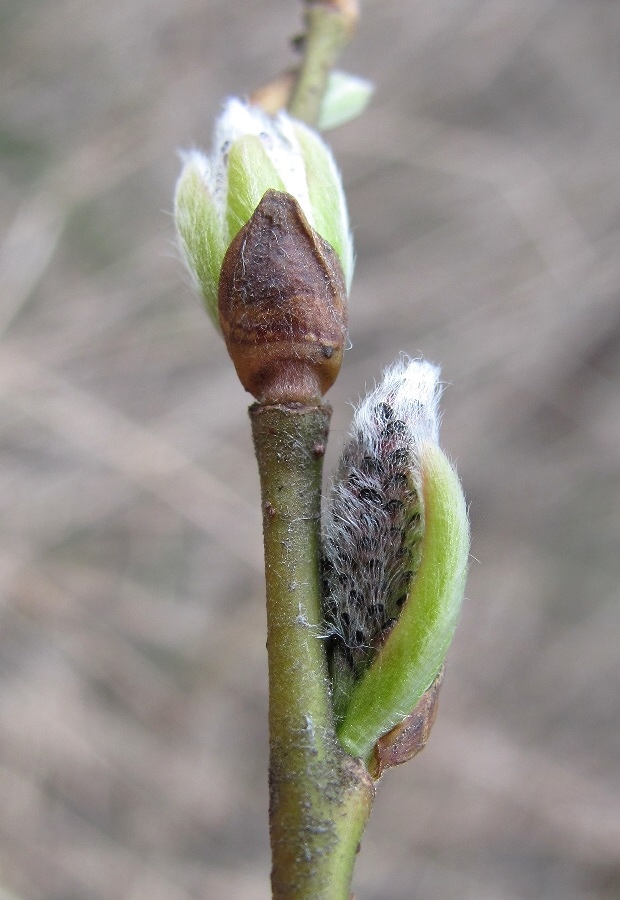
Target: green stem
(320,798)
(330,24)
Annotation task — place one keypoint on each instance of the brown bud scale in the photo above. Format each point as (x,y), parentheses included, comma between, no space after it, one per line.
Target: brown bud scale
(409,737)
(282,304)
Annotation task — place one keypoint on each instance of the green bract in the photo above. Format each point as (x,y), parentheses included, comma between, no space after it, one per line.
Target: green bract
(216,195)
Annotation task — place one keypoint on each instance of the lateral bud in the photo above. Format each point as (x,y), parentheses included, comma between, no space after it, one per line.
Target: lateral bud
(282,304)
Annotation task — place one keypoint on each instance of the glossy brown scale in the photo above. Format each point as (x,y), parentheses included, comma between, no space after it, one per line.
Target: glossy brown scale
(282,304)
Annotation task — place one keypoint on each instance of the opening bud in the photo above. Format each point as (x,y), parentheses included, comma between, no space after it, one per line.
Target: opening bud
(252,152)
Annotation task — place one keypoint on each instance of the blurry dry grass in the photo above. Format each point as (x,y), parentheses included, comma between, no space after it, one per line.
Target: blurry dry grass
(484,187)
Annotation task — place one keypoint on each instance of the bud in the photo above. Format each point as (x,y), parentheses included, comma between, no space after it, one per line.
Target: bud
(253,153)
(282,305)
(396,543)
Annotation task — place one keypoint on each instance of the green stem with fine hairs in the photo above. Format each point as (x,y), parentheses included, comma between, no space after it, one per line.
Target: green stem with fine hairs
(320,798)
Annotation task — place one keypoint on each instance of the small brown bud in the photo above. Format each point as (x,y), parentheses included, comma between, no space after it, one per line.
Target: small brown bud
(282,305)
(408,738)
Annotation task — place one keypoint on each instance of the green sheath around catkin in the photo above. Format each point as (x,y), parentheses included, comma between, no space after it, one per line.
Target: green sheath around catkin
(414,651)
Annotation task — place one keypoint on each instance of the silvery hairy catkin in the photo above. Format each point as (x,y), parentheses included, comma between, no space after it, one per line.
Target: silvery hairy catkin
(373,518)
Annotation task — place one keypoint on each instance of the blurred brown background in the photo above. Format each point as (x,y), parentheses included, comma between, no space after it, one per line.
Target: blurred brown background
(484,190)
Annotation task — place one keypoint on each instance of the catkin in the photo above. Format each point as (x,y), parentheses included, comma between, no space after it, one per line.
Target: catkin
(373,520)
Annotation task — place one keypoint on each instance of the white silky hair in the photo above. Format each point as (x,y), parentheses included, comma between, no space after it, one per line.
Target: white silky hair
(277,136)
(296,152)
(373,520)
(279,142)
(412,389)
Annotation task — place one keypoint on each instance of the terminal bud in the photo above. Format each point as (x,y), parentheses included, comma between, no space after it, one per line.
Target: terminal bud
(253,152)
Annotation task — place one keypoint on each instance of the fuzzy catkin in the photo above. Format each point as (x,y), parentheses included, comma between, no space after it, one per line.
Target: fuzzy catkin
(373,520)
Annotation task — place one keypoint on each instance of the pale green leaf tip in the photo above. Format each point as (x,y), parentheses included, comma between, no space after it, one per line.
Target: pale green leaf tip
(199,229)
(346,97)
(250,174)
(327,202)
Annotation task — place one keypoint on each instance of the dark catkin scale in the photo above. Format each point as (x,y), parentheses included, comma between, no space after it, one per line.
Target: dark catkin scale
(397,457)
(356,598)
(394,428)
(372,466)
(370,495)
(394,508)
(397,480)
(384,412)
